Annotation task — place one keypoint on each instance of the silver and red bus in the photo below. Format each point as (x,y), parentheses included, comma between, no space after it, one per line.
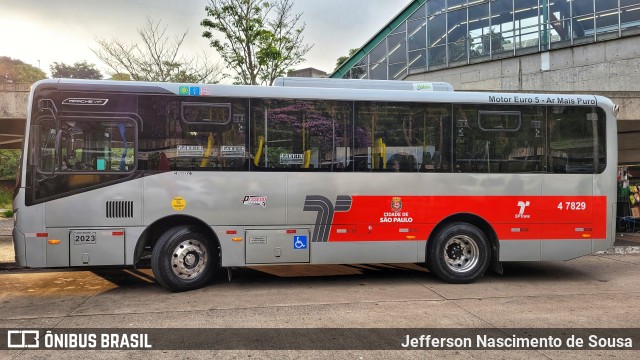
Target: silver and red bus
(195,178)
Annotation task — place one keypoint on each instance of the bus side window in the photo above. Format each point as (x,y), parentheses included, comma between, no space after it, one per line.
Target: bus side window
(577,140)
(499,139)
(402,137)
(300,135)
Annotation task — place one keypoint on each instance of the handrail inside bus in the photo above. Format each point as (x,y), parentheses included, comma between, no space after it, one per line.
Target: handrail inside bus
(207,153)
(307,159)
(256,157)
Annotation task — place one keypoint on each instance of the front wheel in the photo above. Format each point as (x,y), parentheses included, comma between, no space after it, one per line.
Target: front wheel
(460,254)
(183,259)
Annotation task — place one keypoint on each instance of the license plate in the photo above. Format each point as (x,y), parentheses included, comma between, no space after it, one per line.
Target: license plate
(83,237)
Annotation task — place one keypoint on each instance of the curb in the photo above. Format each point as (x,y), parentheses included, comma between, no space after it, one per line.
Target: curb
(620,250)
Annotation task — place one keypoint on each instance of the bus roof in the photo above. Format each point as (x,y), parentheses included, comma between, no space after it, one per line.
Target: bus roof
(362,84)
(327,91)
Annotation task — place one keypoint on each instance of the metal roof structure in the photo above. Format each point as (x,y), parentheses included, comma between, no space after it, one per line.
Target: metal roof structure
(431,35)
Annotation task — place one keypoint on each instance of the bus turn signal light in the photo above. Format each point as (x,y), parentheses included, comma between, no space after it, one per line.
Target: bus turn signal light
(53,242)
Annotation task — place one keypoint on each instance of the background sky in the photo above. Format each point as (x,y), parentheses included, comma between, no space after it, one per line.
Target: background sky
(40,32)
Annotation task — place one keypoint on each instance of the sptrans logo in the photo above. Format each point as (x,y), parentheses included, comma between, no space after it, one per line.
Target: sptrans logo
(523,207)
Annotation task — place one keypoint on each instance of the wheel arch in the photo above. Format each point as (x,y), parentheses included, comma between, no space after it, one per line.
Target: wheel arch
(474,220)
(150,235)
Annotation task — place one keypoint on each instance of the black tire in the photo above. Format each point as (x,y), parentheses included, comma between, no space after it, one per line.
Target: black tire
(459,254)
(183,259)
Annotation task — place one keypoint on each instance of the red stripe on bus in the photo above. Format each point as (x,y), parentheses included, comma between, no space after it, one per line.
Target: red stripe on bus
(380,218)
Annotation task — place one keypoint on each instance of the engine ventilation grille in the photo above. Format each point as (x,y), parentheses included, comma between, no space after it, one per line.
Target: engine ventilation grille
(119,209)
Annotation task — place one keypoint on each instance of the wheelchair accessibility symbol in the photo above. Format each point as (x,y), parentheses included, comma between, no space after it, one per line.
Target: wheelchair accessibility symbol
(299,242)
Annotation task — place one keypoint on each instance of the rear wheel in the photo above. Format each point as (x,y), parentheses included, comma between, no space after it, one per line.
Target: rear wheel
(183,259)
(460,254)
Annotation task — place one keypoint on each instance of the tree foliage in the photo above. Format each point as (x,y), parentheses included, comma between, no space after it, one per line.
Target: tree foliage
(342,59)
(120,77)
(156,58)
(16,71)
(9,164)
(79,70)
(256,39)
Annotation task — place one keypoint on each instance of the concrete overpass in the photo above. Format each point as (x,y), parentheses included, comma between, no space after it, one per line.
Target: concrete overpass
(13,113)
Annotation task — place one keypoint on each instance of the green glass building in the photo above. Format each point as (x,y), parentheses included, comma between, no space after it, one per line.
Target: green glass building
(430,35)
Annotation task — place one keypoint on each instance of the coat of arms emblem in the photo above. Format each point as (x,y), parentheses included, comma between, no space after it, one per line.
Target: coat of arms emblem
(396,204)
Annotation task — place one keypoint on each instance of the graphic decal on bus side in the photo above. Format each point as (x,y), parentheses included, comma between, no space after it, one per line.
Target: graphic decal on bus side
(523,206)
(85,101)
(255,200)
(401,218)
(396,215)
(325,210)
(178,203)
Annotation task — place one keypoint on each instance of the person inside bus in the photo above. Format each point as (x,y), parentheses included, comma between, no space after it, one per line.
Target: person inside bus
(402,162)
(164,164)
(66,165)
(396,165)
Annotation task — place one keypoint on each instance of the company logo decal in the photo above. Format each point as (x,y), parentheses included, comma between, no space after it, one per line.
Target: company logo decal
(255,200)
(523,207)
(85,101)
(325,210)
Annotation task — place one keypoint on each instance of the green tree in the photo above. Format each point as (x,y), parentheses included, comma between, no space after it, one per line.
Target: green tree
(493,40)
(256,39)
(342,59)
(16,71)
(156,58)
(79,70)
(121,77)
(9,164)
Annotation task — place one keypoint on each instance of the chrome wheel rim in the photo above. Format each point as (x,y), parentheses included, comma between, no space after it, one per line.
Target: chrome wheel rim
(189,259)
(461,254)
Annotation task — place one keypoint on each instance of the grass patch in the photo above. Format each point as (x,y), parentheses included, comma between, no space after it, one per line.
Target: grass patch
(6,213)
(6,198)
